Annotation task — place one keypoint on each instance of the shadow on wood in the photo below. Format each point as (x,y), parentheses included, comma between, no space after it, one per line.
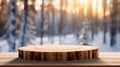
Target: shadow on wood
(21,62)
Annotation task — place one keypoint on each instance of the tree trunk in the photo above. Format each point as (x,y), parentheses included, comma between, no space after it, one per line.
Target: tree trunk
(51,23)
(89,9)
(4,24)
(53,19)
(113,22)
(42,22)
(90,17)
(104,22)
(75,19)
(12,34)
(61,22)
(58,53)
(24,23)
(96,18)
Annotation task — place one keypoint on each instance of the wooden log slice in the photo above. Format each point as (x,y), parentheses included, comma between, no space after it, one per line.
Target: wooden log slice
(58,52)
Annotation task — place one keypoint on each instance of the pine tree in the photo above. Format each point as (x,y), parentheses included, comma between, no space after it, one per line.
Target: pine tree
(104,22)
(24,23)
(51,23)
(90,17)
(61,22)
(113,22)
(96,19)
(89,9)
(4,25)
(74,18)
(81,16)
(12,34)
(42,22)
(28,28)
(53,20)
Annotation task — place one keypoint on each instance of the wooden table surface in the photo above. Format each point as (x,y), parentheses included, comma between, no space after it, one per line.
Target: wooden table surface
(105,59)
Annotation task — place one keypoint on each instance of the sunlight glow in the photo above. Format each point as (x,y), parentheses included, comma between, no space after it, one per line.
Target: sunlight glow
(74,6)
(81,2)
(85,7)
(57,4)
(20,5)
(37,4)
(0,4)
(94,7)
(97,8)
(29,2)
(94,4)
(100,9)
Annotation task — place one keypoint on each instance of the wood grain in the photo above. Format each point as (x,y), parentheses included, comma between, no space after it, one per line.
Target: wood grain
(11,59)
(58,52)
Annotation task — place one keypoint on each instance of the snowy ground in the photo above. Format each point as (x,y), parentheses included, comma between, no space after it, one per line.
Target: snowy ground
(107,47)
(70,39)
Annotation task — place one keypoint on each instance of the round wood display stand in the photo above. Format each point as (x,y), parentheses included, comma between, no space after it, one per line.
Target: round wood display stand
(58,52)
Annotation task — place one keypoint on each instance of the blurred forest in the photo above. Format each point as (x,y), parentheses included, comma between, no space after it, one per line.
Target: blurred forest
(75,22)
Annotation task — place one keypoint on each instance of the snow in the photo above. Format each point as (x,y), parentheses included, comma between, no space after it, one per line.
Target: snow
(98,41)
(71,40)
(4,46)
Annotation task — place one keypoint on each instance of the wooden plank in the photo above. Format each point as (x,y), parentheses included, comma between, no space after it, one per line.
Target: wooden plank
(105,58)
